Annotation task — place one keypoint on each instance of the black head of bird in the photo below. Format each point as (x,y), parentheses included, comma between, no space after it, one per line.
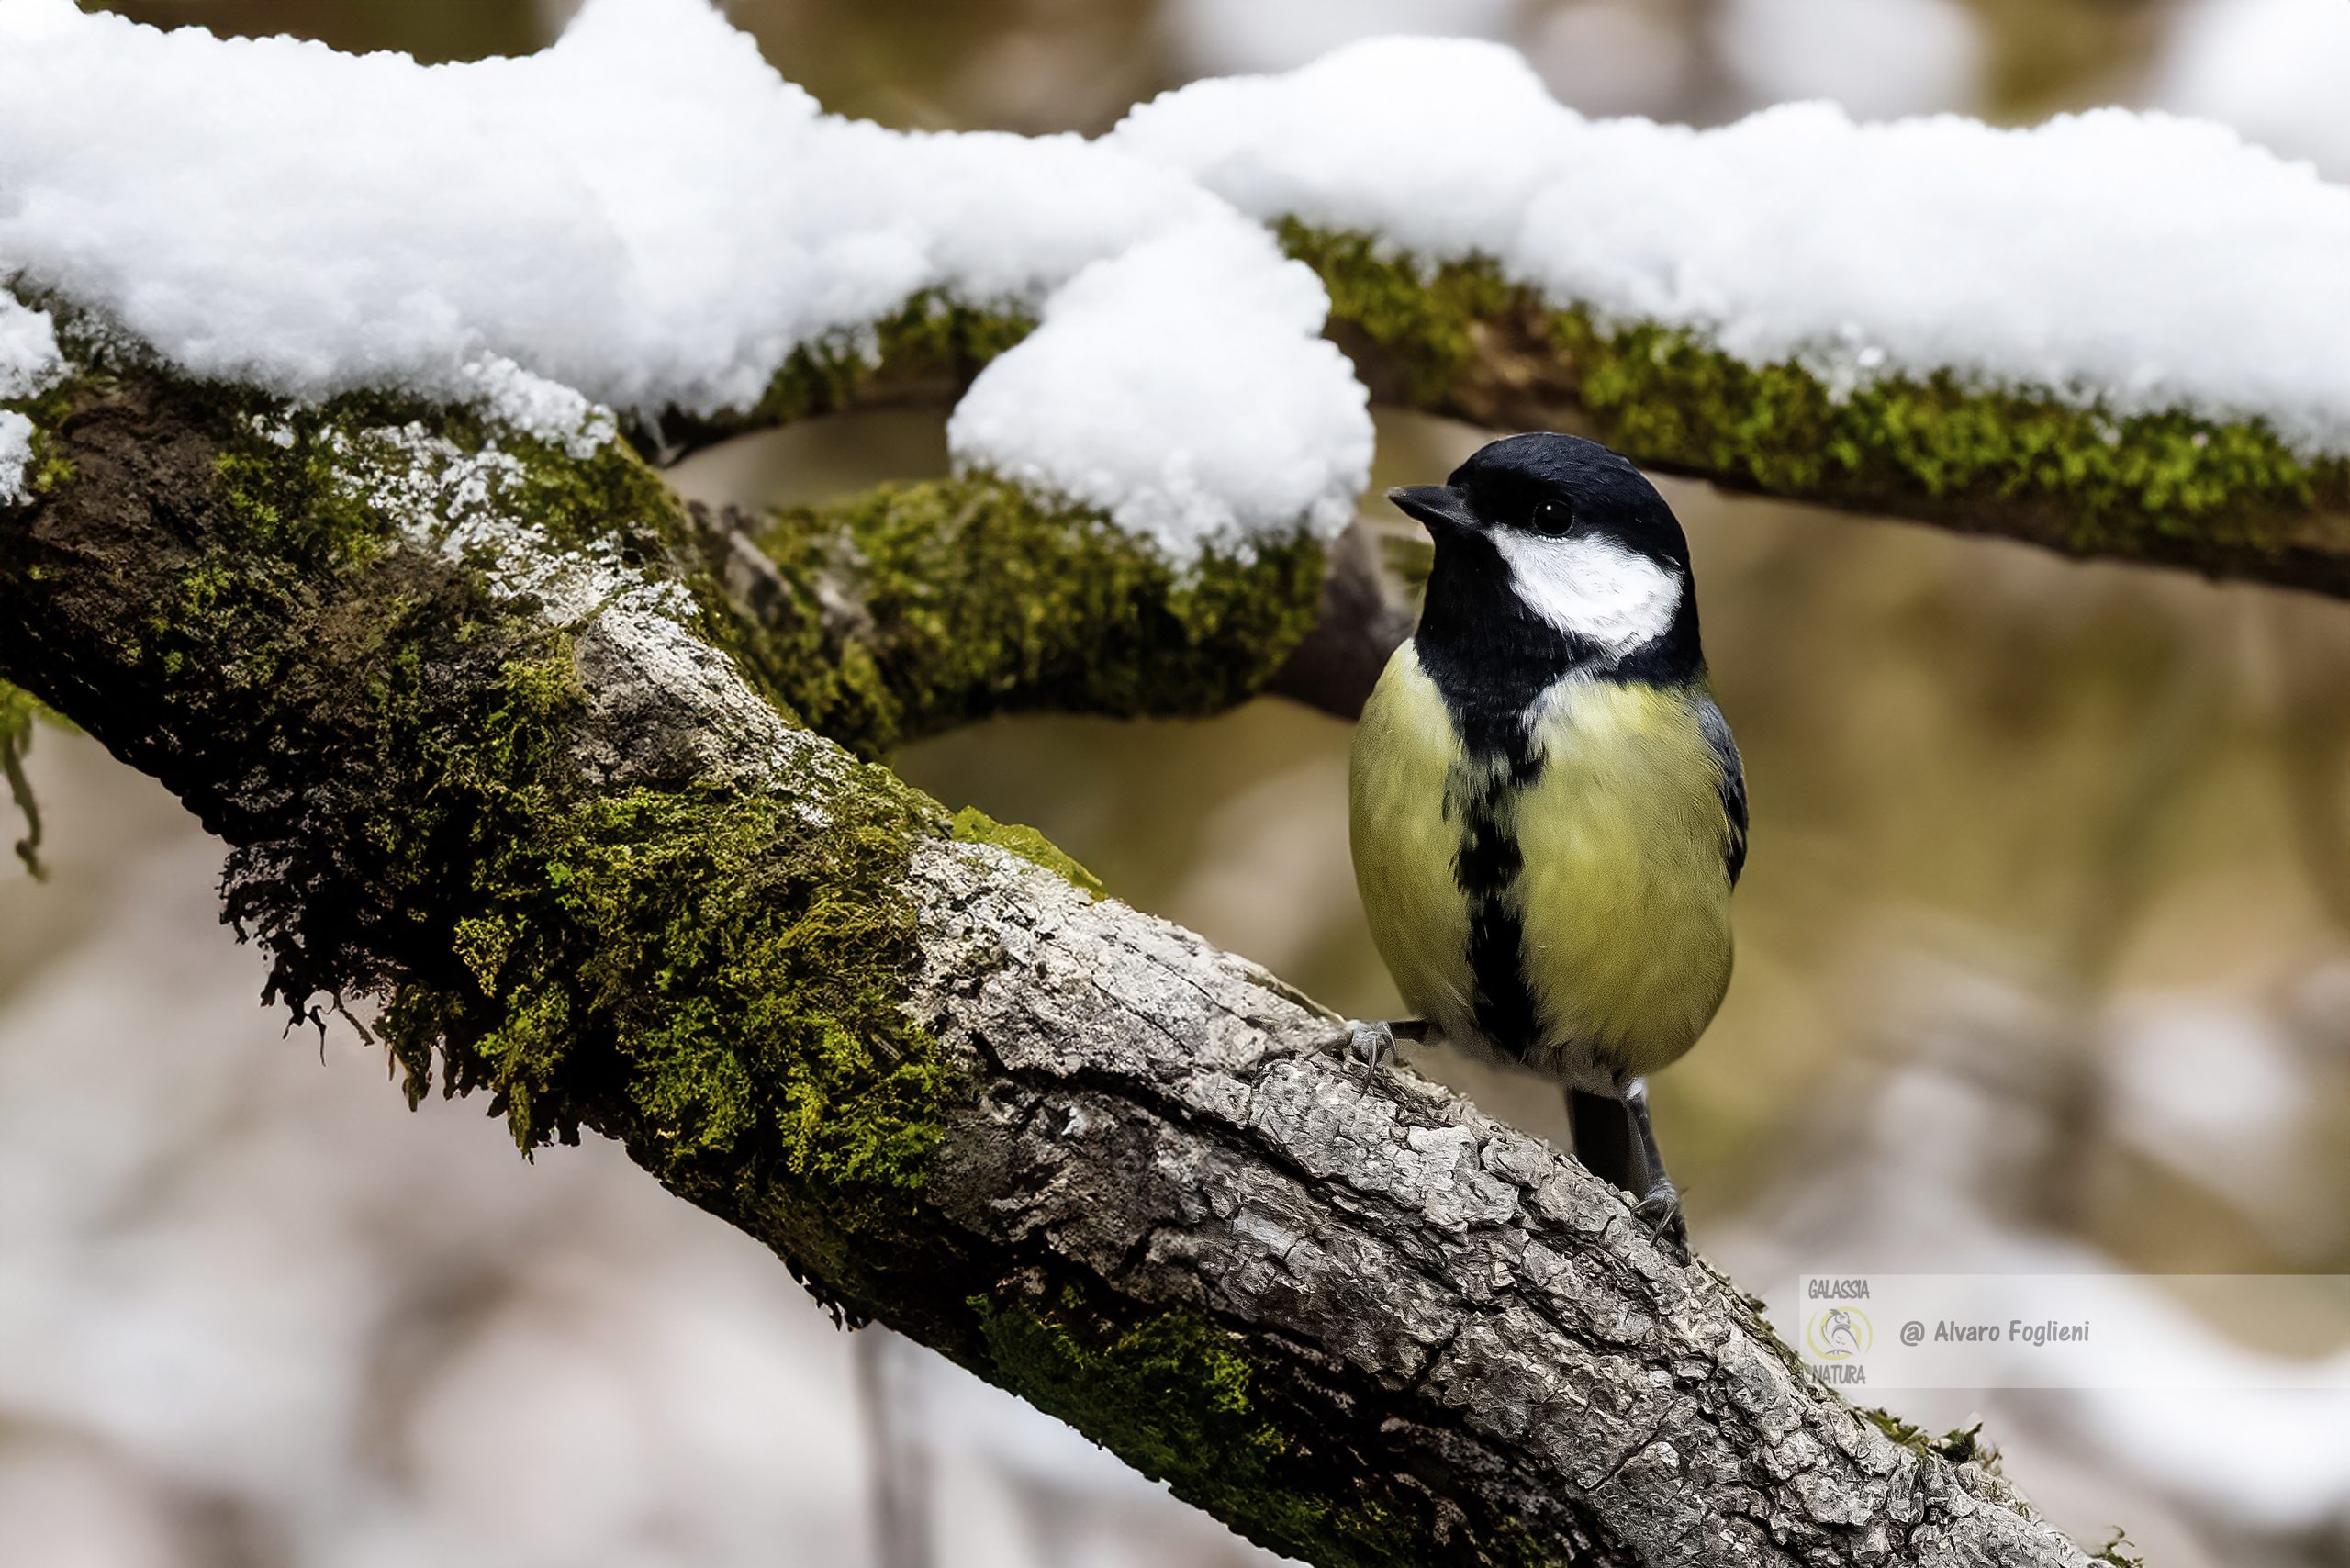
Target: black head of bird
(1553,554)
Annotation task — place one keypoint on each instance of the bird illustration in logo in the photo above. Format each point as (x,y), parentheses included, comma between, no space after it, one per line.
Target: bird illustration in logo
(1839,1333)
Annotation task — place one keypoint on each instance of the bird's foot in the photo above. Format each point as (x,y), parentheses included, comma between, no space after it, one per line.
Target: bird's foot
(1371,1043)
(1660,1213)
(1660,1208)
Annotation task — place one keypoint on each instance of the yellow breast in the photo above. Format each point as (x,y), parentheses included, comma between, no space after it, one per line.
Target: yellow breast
(1622,897)
(1405,843)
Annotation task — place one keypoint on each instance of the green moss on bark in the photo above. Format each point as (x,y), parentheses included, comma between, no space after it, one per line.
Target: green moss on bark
(972,825)
(386,729)
(50,466)
(2167,486)
(927,339)
(1960,1445)
(2119,1551)
(1429,317)
(387,723)
(2124,486)
(19,711)
(1183,1401)
(914,608)
(729,967)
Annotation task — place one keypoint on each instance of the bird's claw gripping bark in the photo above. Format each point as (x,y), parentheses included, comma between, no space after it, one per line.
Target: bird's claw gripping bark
(1660,1213)
(1371,1043)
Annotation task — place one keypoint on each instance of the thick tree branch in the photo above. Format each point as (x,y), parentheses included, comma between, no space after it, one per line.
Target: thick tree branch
(453,706)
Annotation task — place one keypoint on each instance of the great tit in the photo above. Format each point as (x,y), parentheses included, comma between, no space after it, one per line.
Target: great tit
(1546,808)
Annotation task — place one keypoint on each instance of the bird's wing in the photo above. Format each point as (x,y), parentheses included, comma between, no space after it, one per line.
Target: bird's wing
(1733,785)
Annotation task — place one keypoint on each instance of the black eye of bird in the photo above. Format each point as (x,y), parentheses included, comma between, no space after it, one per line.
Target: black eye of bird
(1553,517)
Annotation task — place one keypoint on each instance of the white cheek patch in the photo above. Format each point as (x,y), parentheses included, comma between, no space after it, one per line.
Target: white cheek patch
(1592,589)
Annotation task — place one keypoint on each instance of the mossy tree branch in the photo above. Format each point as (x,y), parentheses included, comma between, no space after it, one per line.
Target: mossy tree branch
(465,711)
(916,607)
(2228,499)
(908,646)
(1460,340)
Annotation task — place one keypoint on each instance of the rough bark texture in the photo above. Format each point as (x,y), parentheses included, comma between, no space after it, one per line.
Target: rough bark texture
(1454,1310)
(478,757)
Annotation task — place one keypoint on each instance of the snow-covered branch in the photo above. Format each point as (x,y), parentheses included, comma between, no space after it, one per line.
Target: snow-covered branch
(452,705)
(2222,497)
(2114,334)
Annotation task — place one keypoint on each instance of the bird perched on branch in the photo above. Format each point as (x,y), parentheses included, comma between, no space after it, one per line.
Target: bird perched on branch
(1547,808)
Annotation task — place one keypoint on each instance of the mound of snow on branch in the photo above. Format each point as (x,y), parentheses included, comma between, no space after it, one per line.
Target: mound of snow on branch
(2139,263)
(648,216)
(1095,405)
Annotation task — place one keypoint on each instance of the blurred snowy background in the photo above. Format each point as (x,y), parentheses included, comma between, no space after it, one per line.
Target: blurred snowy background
(2044,958)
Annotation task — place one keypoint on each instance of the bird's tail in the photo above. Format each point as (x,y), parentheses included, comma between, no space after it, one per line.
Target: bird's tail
(1602,1126)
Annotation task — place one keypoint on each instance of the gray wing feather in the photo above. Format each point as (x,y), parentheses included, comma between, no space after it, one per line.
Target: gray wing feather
(1733,784)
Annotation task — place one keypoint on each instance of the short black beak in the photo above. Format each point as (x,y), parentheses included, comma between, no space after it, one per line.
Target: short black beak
(1439,508)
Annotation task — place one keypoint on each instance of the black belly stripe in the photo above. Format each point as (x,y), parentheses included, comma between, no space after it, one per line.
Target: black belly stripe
(1486,870)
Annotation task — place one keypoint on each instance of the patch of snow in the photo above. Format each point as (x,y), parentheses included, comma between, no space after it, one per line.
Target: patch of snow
(1432,145)
(659,681)
(1876,58)
(29,364)
(278,432)
(16,455)
(2140,262)
(647,216)
(29,356)
(463,505)
(2273,69)
(644,213)
(1145,392)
